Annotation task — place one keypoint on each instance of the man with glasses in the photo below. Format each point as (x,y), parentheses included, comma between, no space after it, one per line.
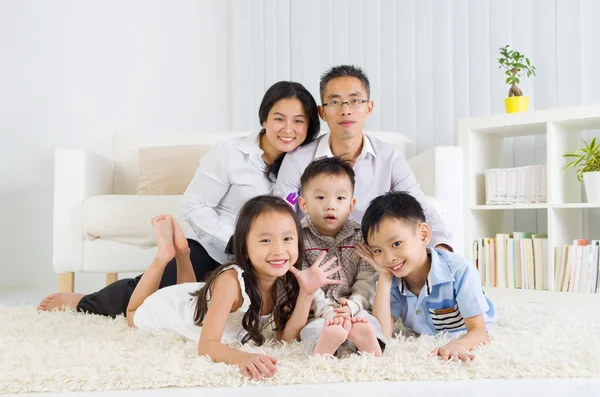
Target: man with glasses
(379,168)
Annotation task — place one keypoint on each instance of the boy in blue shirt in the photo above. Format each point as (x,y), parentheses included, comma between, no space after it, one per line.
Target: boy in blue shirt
(431,290)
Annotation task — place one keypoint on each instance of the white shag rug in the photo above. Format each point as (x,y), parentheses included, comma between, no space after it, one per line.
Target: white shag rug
(68,351)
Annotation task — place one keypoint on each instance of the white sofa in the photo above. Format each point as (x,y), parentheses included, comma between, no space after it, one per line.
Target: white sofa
(101,225)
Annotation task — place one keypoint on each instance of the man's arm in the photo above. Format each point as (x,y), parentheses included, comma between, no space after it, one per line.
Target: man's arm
(403,179)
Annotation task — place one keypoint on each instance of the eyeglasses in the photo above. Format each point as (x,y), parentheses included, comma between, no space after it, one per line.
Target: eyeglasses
(352,104)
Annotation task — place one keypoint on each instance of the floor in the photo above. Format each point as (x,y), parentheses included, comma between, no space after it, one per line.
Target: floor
(489,388)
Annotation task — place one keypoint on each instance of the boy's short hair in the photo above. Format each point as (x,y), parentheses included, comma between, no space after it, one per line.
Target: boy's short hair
(397,205)
(330,166)
(344,71)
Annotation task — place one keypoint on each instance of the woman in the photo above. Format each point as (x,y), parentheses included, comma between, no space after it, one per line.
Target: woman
(231,173)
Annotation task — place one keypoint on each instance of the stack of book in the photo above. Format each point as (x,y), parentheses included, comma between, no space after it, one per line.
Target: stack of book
(517,260)
(520,260)
(576,267)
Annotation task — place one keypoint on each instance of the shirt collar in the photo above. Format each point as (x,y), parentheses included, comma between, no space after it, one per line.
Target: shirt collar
(438,274)
(251,144)
(324,147)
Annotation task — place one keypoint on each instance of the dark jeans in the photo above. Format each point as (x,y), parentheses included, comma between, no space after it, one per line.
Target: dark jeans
(113,299)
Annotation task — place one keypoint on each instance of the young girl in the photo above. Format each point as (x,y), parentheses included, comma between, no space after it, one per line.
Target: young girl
(250,300)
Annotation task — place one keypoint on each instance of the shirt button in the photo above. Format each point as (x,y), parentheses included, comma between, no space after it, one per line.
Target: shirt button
(418,312)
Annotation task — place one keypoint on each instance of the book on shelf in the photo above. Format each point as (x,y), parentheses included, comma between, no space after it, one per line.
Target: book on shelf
(520,260)
(577,267)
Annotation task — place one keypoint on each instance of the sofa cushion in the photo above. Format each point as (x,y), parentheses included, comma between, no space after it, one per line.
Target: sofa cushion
(168,169)
(126,218)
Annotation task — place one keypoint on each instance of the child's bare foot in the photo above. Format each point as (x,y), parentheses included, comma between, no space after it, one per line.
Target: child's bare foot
(179,240)
(60,301)
(163,226)
(363,337)
(334,333)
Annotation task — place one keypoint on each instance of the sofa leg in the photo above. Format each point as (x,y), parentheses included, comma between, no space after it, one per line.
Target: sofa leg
(66,282)
(111,278)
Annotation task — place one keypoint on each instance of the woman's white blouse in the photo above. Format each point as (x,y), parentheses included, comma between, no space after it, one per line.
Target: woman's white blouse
(231,173)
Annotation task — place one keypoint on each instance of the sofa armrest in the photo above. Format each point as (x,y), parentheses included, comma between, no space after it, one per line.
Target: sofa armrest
(439,171)
(78,175)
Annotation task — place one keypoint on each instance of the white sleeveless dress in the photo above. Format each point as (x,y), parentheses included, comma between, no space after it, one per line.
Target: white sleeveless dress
(171,309)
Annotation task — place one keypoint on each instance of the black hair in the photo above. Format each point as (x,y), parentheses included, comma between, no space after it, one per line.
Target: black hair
(330,166)
(286,288)
(397,205)
(344,71)
(283,90)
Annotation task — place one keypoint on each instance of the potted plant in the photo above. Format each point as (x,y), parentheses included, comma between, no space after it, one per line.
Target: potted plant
(587,164)
(516,64)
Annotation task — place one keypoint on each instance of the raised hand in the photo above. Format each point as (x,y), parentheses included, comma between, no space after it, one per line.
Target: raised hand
(313,278)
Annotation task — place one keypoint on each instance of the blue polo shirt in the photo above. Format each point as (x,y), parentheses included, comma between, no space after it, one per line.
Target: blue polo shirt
(451,293)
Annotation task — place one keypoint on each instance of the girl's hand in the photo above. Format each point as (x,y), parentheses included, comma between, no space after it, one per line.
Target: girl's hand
(454,352)
(364,252)
(313,278)
(257,365)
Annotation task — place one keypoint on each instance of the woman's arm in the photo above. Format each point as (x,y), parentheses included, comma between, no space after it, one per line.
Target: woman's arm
(208,187)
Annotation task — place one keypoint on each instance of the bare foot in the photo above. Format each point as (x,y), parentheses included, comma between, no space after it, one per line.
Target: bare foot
(163,226)
(363,337)
(334,333)
(179,240)
(60,301)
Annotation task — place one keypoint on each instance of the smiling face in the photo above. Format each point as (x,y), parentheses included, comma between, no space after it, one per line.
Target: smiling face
(399,246)
(272,244)
(328,201)
(345,122)
(286,127)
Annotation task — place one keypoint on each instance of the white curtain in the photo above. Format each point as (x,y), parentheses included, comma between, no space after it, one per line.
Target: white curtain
(430,62)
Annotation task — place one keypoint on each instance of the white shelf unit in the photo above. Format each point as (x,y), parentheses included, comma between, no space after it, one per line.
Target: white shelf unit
(567,214)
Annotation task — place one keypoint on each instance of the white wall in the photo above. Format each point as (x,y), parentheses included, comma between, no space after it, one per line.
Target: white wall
(72,74)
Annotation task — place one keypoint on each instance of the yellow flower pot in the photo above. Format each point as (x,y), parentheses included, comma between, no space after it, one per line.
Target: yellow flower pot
(516,104)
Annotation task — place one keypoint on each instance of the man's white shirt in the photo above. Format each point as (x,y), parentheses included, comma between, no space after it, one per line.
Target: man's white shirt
(379,168)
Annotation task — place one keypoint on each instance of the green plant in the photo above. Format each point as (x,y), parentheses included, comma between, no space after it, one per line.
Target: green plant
(515,64)
(587,159)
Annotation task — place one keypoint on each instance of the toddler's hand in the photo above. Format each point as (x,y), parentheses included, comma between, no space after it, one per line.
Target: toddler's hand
(344,311)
